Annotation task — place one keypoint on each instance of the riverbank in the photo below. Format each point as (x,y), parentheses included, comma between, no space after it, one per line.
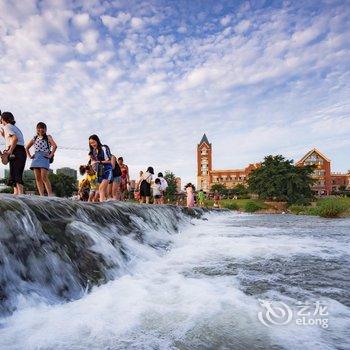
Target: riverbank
(327,207)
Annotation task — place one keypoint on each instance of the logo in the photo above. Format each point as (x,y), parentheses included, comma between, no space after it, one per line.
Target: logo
(277,313)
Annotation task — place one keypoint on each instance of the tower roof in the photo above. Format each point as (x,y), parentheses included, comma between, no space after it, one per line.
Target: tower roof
(312,151)
(204,139)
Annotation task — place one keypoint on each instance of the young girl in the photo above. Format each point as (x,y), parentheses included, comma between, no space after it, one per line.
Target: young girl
(92,178)
(190,195)
(137,195)
(84,185)
(217,200)
(145,185)
(157,191)
(100,157)
(45,148)
(116,179)
(124,179)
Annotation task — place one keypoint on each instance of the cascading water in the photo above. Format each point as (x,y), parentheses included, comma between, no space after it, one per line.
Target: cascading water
(55,249)
(150,288)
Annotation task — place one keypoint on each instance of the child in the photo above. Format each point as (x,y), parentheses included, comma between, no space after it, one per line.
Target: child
(217,200)
(157,191)
(201,197)
(45,148)
(92,178)
(84,185)
(190,195)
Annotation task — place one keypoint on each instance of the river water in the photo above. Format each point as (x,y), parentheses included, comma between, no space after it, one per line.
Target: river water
(203,289)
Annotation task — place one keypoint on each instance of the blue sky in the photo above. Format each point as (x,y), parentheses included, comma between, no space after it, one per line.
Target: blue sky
(150,77)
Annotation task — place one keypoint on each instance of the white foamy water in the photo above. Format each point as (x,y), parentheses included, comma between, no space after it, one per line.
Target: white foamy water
(202,293)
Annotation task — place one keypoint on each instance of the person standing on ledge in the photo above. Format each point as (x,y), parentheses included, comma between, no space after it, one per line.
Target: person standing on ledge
(14,153)
(145,185)
(100,156)
(164,185)
(201,198)
(45,148)
(190,195)
(124,179)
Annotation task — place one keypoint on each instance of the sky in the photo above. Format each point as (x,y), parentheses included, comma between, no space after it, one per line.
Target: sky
(150,77)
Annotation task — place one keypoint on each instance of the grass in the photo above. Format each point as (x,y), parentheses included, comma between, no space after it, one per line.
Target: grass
(326,208)
(247,205)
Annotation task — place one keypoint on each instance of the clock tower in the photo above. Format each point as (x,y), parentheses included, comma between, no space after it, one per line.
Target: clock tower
(204,164)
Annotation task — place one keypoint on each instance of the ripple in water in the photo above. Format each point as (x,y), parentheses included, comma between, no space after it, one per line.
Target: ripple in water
(203,292)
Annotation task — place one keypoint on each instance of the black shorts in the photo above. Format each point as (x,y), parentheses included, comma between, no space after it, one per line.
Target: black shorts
(145,189)
(17,166)
(158,196)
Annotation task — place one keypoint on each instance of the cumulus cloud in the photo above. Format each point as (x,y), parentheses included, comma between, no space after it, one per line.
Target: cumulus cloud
(81,20)
(150,79)
(136,22)
(113,22)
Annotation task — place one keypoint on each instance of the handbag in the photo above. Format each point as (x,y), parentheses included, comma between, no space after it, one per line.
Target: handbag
(137,195)
(5,157)
(100,170)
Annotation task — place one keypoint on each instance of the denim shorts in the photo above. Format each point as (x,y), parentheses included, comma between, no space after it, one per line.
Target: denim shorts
(107,175)
(117,179)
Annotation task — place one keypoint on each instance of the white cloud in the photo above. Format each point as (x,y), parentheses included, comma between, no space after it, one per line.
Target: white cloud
(136,22)
(81,20)
(276,90)
(242,26)
(89,42)
(225,20)
(114,22)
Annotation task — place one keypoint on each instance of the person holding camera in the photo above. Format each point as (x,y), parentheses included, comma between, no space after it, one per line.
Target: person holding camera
(15,153)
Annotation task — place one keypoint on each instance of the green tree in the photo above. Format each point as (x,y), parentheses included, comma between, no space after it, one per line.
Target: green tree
(171,180)
(278,179)
(239,190)
(7,190)
(221,188)
(63,185)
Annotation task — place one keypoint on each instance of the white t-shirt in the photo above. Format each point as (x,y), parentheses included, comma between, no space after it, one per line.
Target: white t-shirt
(157,189)
(146,176)
(10,130)
(163,183)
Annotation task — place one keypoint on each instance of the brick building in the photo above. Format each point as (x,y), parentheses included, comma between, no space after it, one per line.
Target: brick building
(326,181)
(206,176)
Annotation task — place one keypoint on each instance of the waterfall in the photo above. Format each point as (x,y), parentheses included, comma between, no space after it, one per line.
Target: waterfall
(55,250)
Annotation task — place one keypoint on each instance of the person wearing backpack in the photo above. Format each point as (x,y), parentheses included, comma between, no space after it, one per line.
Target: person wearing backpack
(45,148)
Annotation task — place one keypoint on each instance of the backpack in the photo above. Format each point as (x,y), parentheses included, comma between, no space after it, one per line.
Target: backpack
(48,145)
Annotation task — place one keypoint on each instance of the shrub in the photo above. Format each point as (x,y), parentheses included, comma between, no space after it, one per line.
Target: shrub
(251,207)
(330,208)
(298,209)
(231,206)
